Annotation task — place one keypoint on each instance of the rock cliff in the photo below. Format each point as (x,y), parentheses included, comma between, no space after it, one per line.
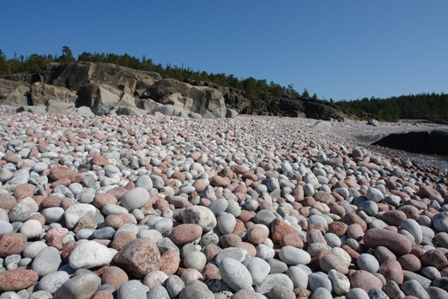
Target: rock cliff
(104,88)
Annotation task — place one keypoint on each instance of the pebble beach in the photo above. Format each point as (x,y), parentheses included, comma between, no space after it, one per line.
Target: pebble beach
(134,207)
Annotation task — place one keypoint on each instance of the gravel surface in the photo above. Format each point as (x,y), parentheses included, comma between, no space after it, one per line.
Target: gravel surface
(249,207)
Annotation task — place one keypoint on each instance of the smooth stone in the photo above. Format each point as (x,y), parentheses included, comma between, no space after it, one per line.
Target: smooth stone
(332,240)
(158,292)
(424,282)
(440,221)
(199,215)
(294,256)
(90,254)
(437,293)
(174,285)
(258,268)
(53,281)
(413,228)
(5,227)
(265,252)
(135,198)
(236,253)
(368,263)
(414,288)
(392,289)
(264,217)
(370,207)
(235,274)
(47,261)
(218,206)
(19,213)
(53,214)
(281,292)
(144,182)
(340,282)
(132,289)
(395,242)
(32,249)
(82,286)
(375,293)
(298,277)
(226,223)
(274,280)
(321,293)
(74,213)
(196,290)
(195,260)
(319,280)
(357,293)
(374,194)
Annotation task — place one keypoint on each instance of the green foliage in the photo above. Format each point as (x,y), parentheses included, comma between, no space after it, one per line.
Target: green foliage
(420,106)
(254,88)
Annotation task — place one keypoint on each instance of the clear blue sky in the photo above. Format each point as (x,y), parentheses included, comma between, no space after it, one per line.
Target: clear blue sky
(336,49)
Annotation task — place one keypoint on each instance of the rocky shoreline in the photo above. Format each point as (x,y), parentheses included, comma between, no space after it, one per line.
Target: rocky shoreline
(246,207)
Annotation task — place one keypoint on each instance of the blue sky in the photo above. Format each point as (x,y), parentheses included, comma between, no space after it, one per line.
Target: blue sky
(336,49)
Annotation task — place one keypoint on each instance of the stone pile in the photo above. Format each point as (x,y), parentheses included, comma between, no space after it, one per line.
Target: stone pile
(248,207)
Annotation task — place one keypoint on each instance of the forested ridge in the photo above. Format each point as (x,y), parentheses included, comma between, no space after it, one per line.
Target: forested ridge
(428,106)
(432,107)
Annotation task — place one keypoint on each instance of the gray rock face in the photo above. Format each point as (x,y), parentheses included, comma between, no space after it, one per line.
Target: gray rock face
(42,93)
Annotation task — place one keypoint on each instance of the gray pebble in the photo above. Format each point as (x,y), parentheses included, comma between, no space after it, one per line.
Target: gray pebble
(437,293)
(174,285)
(414,288)
(47,261)
(158,292)
(357,293)
(281,292)
(235,274)
(226,223)
(298,276)
(321,293)
(236,253)
(264,217)
(319,280)
(144,182)
(368,263)
(19,213)
(79,286)
(135,198)
(258,269)
(40,295)
(132,289)
(294,256)
(339,282)
(53,281)
(53,214)
(274,280)
(5,227)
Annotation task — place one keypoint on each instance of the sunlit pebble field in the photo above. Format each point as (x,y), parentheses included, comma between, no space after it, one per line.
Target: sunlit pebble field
(167,207)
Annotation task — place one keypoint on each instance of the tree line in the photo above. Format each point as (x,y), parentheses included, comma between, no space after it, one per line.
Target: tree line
(431,106)
(257,88)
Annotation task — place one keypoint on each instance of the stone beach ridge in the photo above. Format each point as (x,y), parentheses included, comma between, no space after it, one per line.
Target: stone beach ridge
(155,206)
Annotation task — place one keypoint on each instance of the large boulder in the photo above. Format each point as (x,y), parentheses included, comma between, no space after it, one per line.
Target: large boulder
(148,104)
(101,98)
(42,93)
(57,107)
(17,97)
(75,75)
(207,101)
(203,100)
